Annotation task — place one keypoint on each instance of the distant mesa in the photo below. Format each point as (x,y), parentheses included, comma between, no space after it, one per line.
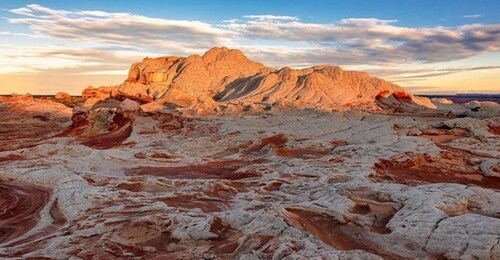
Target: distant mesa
(223,78)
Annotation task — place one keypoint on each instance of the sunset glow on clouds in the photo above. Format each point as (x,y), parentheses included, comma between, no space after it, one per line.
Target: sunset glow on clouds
(46,49)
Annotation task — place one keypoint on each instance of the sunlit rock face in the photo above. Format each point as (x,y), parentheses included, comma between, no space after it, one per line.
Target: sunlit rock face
(124,177)
(320,87)
(226,77)
(185,80)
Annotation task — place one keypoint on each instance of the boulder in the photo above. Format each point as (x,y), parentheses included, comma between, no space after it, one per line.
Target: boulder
(128,105)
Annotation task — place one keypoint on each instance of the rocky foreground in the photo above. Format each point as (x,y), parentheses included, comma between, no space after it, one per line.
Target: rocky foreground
(117,182)
(174,178)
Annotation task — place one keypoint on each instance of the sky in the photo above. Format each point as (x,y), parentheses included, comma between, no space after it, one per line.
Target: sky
(428,47)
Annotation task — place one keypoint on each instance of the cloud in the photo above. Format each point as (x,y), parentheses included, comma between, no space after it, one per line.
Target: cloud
(380,39)
(472,16)
(348,41)
(269,17)
(179,36)
(445,71)
(23,11)
(63,60)
(453,77)
(7,33)
(278,56)
(88,55)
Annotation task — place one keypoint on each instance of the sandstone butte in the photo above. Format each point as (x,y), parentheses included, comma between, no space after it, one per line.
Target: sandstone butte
(223,77)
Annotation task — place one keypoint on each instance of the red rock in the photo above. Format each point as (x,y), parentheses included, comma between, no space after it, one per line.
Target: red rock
(100,127)
(62,96)
(271,141)
(400,95)
(228,169)
(26,121)
(99,93)
(415,169)
(494,129)
(223,75)
(342,236)
(20,206)
(304,153)
(11,157)
(191,202)
(273,185)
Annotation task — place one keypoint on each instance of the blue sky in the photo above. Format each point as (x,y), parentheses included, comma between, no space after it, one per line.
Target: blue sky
(407,12)
(426,46)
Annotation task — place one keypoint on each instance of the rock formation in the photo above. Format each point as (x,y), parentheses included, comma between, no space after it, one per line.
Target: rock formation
(131,174)
(106,124)
(62,96)
(93,95)
(320,87)
(184,80)
(222,76)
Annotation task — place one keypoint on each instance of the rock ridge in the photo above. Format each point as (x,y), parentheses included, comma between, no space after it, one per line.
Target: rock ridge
(222,77)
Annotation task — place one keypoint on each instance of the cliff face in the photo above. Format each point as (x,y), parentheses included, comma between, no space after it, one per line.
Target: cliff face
(223,76)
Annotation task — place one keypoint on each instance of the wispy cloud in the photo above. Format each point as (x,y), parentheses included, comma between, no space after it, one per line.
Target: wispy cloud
(424,71)
(348,41)
(472,16)
(178,36)
(351,41)
(444,71)
(7,33)
(66,60)
(26,11)
(375,40)
(270,17)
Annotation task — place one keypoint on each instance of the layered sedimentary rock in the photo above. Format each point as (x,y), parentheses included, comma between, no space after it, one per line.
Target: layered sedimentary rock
(98,93)
(20,206)
(184,80)
(118,182)
(25,121)
(93,95)
(319,87)
(222,76)
(106,124)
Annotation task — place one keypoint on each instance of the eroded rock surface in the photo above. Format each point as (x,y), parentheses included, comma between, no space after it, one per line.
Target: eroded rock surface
(101,127)
(223,80)
(25,121)
(118,182)
(20,206)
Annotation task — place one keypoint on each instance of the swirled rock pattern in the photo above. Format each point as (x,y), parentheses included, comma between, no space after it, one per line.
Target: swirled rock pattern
(20,206)
(114,181)
(25,121)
